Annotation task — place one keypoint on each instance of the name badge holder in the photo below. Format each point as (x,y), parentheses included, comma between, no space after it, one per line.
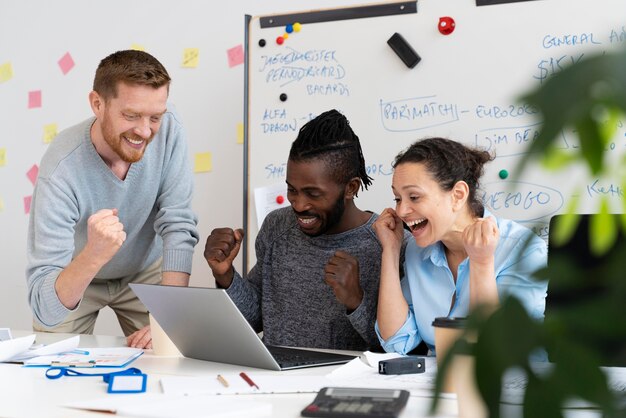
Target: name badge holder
(131,380)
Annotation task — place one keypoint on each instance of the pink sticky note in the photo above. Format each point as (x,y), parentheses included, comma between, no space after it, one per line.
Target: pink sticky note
(34,99)
(66,63)
(32,174)
(235,56)
(27,201)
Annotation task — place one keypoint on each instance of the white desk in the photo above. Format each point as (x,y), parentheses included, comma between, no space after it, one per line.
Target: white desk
(26,392)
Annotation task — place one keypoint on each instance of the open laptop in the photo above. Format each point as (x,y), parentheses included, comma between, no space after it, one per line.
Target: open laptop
(205,324)
(580,277)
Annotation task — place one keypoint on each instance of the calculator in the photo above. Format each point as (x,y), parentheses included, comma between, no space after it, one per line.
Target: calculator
(357,403)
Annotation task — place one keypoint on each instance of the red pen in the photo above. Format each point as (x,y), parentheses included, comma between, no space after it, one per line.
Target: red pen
(248,380)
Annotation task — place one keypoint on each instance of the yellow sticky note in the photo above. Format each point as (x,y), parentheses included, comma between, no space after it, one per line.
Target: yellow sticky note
(240,133)
(137,47)
(190,57)
(6,72)
(203,162)
(49,132)
(3,157)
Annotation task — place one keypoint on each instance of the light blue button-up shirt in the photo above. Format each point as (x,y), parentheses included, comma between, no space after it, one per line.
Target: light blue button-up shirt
(429,287)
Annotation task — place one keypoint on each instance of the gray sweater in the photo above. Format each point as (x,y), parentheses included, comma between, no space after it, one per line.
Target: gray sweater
(285,296)
(154,203)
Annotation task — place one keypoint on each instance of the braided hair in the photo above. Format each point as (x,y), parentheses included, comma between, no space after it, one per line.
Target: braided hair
(449,162)
(330,138)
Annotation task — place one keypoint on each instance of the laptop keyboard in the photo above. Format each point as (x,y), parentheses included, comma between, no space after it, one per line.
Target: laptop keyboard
(293,357)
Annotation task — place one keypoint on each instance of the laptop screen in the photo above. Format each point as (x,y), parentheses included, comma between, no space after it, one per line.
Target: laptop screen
(580,287)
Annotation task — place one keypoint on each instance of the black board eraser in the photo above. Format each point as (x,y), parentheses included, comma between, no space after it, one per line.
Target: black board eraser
(402,48)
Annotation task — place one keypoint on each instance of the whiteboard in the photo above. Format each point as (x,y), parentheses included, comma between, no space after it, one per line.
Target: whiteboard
(466,87)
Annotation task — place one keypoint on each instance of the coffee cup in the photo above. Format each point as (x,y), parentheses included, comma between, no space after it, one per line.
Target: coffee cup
(447,331)
(162,345)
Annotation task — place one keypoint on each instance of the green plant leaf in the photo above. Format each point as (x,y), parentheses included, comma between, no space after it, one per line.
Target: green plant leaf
(591,142)
(571,98)
(541,399)
(603,229)
(556,159)
(564,227)
(608,128)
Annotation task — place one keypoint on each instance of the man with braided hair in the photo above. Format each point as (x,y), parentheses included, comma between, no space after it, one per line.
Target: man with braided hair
(315,283)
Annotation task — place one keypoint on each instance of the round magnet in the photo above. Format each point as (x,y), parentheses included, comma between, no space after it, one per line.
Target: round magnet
(503,174)
(446,25)
(262,43)
(289,28)
(280,40)
(280,199)
(296,27)
(283,97)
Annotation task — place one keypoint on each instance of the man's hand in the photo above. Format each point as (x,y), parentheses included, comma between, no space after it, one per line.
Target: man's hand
(141,338)
(221,248)
(342,275)
(105,235)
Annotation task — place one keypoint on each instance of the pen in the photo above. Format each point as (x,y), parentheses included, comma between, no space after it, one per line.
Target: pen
(83,352)
(222,380)
(248,380)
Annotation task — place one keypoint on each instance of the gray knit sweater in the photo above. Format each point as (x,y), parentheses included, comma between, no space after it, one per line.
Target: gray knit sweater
(154,203)
(285,296)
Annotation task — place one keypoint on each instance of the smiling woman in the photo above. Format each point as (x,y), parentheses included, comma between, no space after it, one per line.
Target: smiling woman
(460,256)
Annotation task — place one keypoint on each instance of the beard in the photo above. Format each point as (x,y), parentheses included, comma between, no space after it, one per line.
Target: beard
(333,217)
(116,142)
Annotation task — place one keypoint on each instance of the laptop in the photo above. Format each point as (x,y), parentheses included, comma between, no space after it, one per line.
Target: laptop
(580,278)
(205,324)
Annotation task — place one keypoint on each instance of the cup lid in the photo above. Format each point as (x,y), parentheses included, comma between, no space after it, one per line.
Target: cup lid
(450,322)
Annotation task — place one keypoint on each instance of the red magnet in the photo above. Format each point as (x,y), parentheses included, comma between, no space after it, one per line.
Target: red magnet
(446,25)
(280,40)
(280,199)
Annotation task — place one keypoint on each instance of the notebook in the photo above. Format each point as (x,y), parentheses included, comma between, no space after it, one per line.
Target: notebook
(205,324)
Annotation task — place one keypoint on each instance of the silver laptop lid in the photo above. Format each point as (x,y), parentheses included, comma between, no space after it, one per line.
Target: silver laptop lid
(205,324)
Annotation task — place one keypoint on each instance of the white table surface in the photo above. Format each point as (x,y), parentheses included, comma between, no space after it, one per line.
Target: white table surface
(26,392)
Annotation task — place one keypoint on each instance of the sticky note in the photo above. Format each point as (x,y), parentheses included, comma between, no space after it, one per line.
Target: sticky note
(32,174)
(66,63)
(190,57)
(34,99)
(137,47)
(3,157)
(49,132)
(235,56)
(6,72)
(240,133)
(203,162)
(27,201)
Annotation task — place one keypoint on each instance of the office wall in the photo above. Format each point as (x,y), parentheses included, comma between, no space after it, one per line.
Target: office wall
(466,87)
(36,37)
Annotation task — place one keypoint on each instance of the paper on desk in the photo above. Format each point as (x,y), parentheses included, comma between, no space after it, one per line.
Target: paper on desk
(102,357)
(152,405)
(267,383)
(62,346)
(11,348)
(358,373)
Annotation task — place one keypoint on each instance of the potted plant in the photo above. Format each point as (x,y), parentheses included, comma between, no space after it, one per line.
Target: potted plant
(589,96)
